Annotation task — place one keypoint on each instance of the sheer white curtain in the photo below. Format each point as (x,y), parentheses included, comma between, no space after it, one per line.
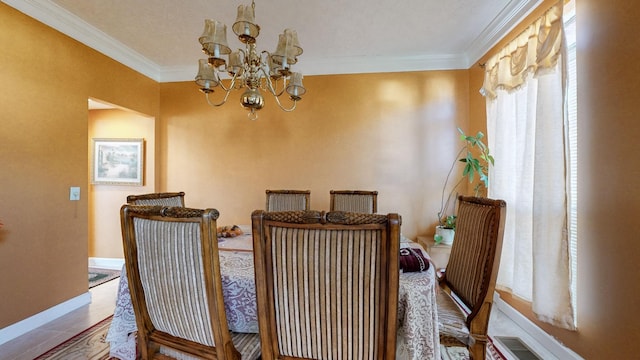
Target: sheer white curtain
(525,93)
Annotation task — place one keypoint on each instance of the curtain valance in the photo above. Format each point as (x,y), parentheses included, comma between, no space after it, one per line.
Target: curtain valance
(534,50)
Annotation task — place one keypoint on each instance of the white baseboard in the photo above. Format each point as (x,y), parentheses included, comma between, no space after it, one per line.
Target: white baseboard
(106,263)
(31,323)
(540,336)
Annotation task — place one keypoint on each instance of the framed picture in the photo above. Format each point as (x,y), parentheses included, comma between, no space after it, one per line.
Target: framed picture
(118,162)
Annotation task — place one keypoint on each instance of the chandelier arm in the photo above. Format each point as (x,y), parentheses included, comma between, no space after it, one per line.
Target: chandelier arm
(284,87)
(270,84)
(226,96)
(285,109)
(233,82)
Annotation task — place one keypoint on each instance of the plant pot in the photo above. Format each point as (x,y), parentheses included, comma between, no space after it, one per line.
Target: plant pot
(445,235)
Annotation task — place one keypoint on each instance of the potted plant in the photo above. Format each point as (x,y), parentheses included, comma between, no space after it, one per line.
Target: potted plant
(476,158)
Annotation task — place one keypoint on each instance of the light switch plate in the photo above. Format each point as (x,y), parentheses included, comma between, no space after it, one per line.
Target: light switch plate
(74,193)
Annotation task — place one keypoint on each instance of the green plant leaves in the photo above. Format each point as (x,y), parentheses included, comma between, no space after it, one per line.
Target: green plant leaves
(475,166)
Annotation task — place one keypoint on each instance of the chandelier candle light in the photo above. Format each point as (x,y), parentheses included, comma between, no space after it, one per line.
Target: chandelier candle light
(248,69)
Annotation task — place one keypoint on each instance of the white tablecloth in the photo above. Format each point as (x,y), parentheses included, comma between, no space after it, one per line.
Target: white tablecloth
(418,337)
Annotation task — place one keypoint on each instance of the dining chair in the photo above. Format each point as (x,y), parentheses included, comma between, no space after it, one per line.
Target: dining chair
(468,282)
(326,284)
(354,201)
(171,259)
(288,200)
(163,198)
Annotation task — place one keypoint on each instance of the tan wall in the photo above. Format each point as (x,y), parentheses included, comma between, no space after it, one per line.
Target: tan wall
(389,132)
(45,81)
(394,133)
(608,196)
(105,236)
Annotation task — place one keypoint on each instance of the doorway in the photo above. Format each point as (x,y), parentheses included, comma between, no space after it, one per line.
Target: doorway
(109,121)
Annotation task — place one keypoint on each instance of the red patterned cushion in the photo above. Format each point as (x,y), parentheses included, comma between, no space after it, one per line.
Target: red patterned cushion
(412,260)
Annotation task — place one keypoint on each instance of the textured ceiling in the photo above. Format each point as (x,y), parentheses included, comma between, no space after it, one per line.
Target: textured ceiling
(159,38)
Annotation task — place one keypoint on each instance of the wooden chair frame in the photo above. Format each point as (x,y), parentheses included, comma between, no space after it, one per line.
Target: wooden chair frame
(162,198)
(473,281)
(334,194)
(315,222)
(149,337)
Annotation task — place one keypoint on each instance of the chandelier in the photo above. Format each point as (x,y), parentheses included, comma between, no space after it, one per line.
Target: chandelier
(248,69)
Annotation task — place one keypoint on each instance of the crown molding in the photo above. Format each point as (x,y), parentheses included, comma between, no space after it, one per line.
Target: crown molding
(346,65)
(375,64)
(502,24)
(67,23)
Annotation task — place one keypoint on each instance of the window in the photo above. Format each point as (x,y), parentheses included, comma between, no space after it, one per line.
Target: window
(530,92)
(572,121)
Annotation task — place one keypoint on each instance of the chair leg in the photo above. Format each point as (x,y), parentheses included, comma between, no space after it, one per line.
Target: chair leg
(478,350)
(148,349)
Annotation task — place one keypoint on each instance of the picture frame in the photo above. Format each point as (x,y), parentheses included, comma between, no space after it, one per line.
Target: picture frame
(117,162)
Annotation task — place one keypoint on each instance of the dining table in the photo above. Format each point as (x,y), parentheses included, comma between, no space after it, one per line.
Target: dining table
(418,337)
